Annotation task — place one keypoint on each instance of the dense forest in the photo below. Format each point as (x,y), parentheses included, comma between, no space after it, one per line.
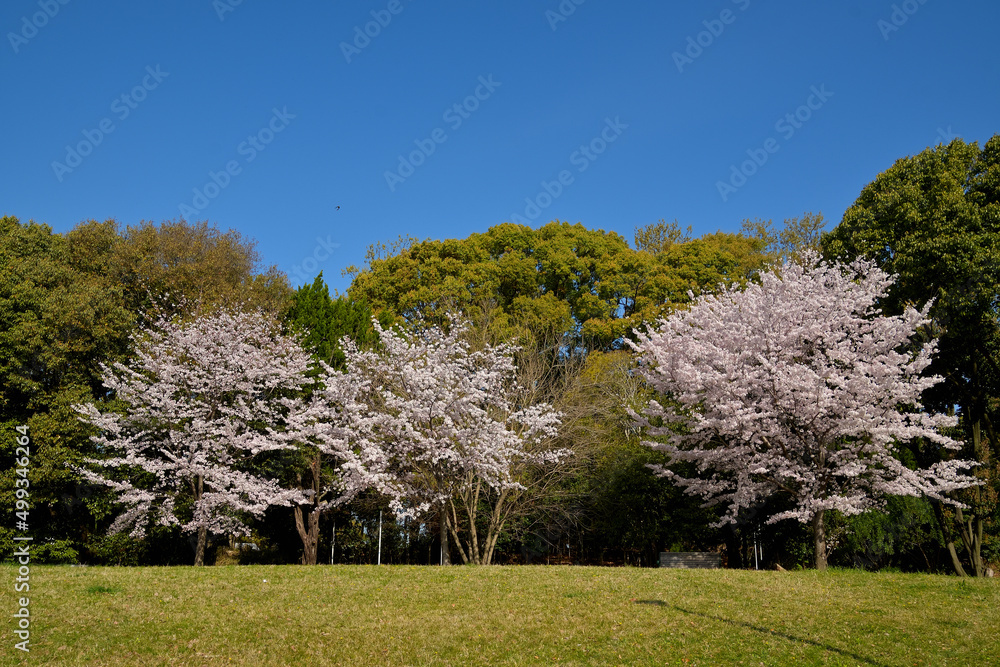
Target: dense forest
(563,302)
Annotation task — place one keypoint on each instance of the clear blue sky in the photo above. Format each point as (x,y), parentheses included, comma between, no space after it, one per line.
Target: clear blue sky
(203,81)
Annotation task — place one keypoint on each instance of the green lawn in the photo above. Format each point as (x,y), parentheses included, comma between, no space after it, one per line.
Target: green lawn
(399,615)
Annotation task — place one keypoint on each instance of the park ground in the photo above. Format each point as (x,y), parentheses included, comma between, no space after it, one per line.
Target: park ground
(517,615)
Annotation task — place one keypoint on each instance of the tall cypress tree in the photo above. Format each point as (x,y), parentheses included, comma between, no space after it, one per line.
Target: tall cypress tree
(322,321)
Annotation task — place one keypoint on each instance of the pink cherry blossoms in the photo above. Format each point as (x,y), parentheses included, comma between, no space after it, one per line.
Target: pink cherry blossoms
(451,425)
(423,420)
(201,400)
(796,386)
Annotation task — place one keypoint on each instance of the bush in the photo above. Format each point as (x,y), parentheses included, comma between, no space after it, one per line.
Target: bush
(55,552)
(118,549)
(903,536)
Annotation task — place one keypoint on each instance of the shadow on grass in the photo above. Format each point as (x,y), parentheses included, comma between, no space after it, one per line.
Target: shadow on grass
(768,631)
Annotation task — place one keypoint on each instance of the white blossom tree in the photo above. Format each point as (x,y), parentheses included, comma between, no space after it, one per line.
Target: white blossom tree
(796,386)
(200,400)
(452,429)
(336,433)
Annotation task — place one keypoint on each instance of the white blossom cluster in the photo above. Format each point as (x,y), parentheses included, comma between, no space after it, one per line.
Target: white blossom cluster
(195,397)
(417,419)
(444,417)
(798,385)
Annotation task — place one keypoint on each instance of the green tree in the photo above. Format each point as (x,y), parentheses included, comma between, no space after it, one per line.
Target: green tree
(57,322)
(796,236)
(615,506)
(510,265)
(934,220)
(588,282)
(322,321)
(659,236)
(161,266)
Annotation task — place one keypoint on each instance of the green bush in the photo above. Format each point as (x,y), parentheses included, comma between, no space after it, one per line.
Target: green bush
(56,552)
(118,549)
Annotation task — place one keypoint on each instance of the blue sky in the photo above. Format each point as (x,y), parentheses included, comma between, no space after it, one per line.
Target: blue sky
(265,117)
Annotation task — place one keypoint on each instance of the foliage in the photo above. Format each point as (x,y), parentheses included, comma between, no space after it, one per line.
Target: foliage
(634,516)
(658,237)
(118,549)
(794,386)
(588,283)
(608,504)
(796,237)
(163,269)
(54,319)
(902,535)
(452,426)
(201,399)
(321,322)
(57,322)
(933,220)
(54,552)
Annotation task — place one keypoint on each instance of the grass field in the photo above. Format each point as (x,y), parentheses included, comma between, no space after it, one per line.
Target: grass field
(399,615)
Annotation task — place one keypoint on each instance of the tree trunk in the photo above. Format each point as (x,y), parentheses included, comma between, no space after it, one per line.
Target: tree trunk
(971,531)
(496,524)
(949,540)
(472,508)
(452,523)
(734,552)
(445,548)
(199,550)
(956,562)
(819,540)
(309,535)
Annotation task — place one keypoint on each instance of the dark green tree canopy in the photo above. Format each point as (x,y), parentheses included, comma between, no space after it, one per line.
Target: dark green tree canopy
(934,220)
(322,321)
(56,319)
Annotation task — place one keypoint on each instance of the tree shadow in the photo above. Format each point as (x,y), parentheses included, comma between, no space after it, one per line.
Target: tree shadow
(768,631)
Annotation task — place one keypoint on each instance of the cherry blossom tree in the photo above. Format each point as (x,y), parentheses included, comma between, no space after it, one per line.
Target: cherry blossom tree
(336,435)
(201,399)
(454,428)
(797,386)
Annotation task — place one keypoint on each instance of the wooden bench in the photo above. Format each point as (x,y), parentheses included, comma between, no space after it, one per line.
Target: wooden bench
(691,559)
